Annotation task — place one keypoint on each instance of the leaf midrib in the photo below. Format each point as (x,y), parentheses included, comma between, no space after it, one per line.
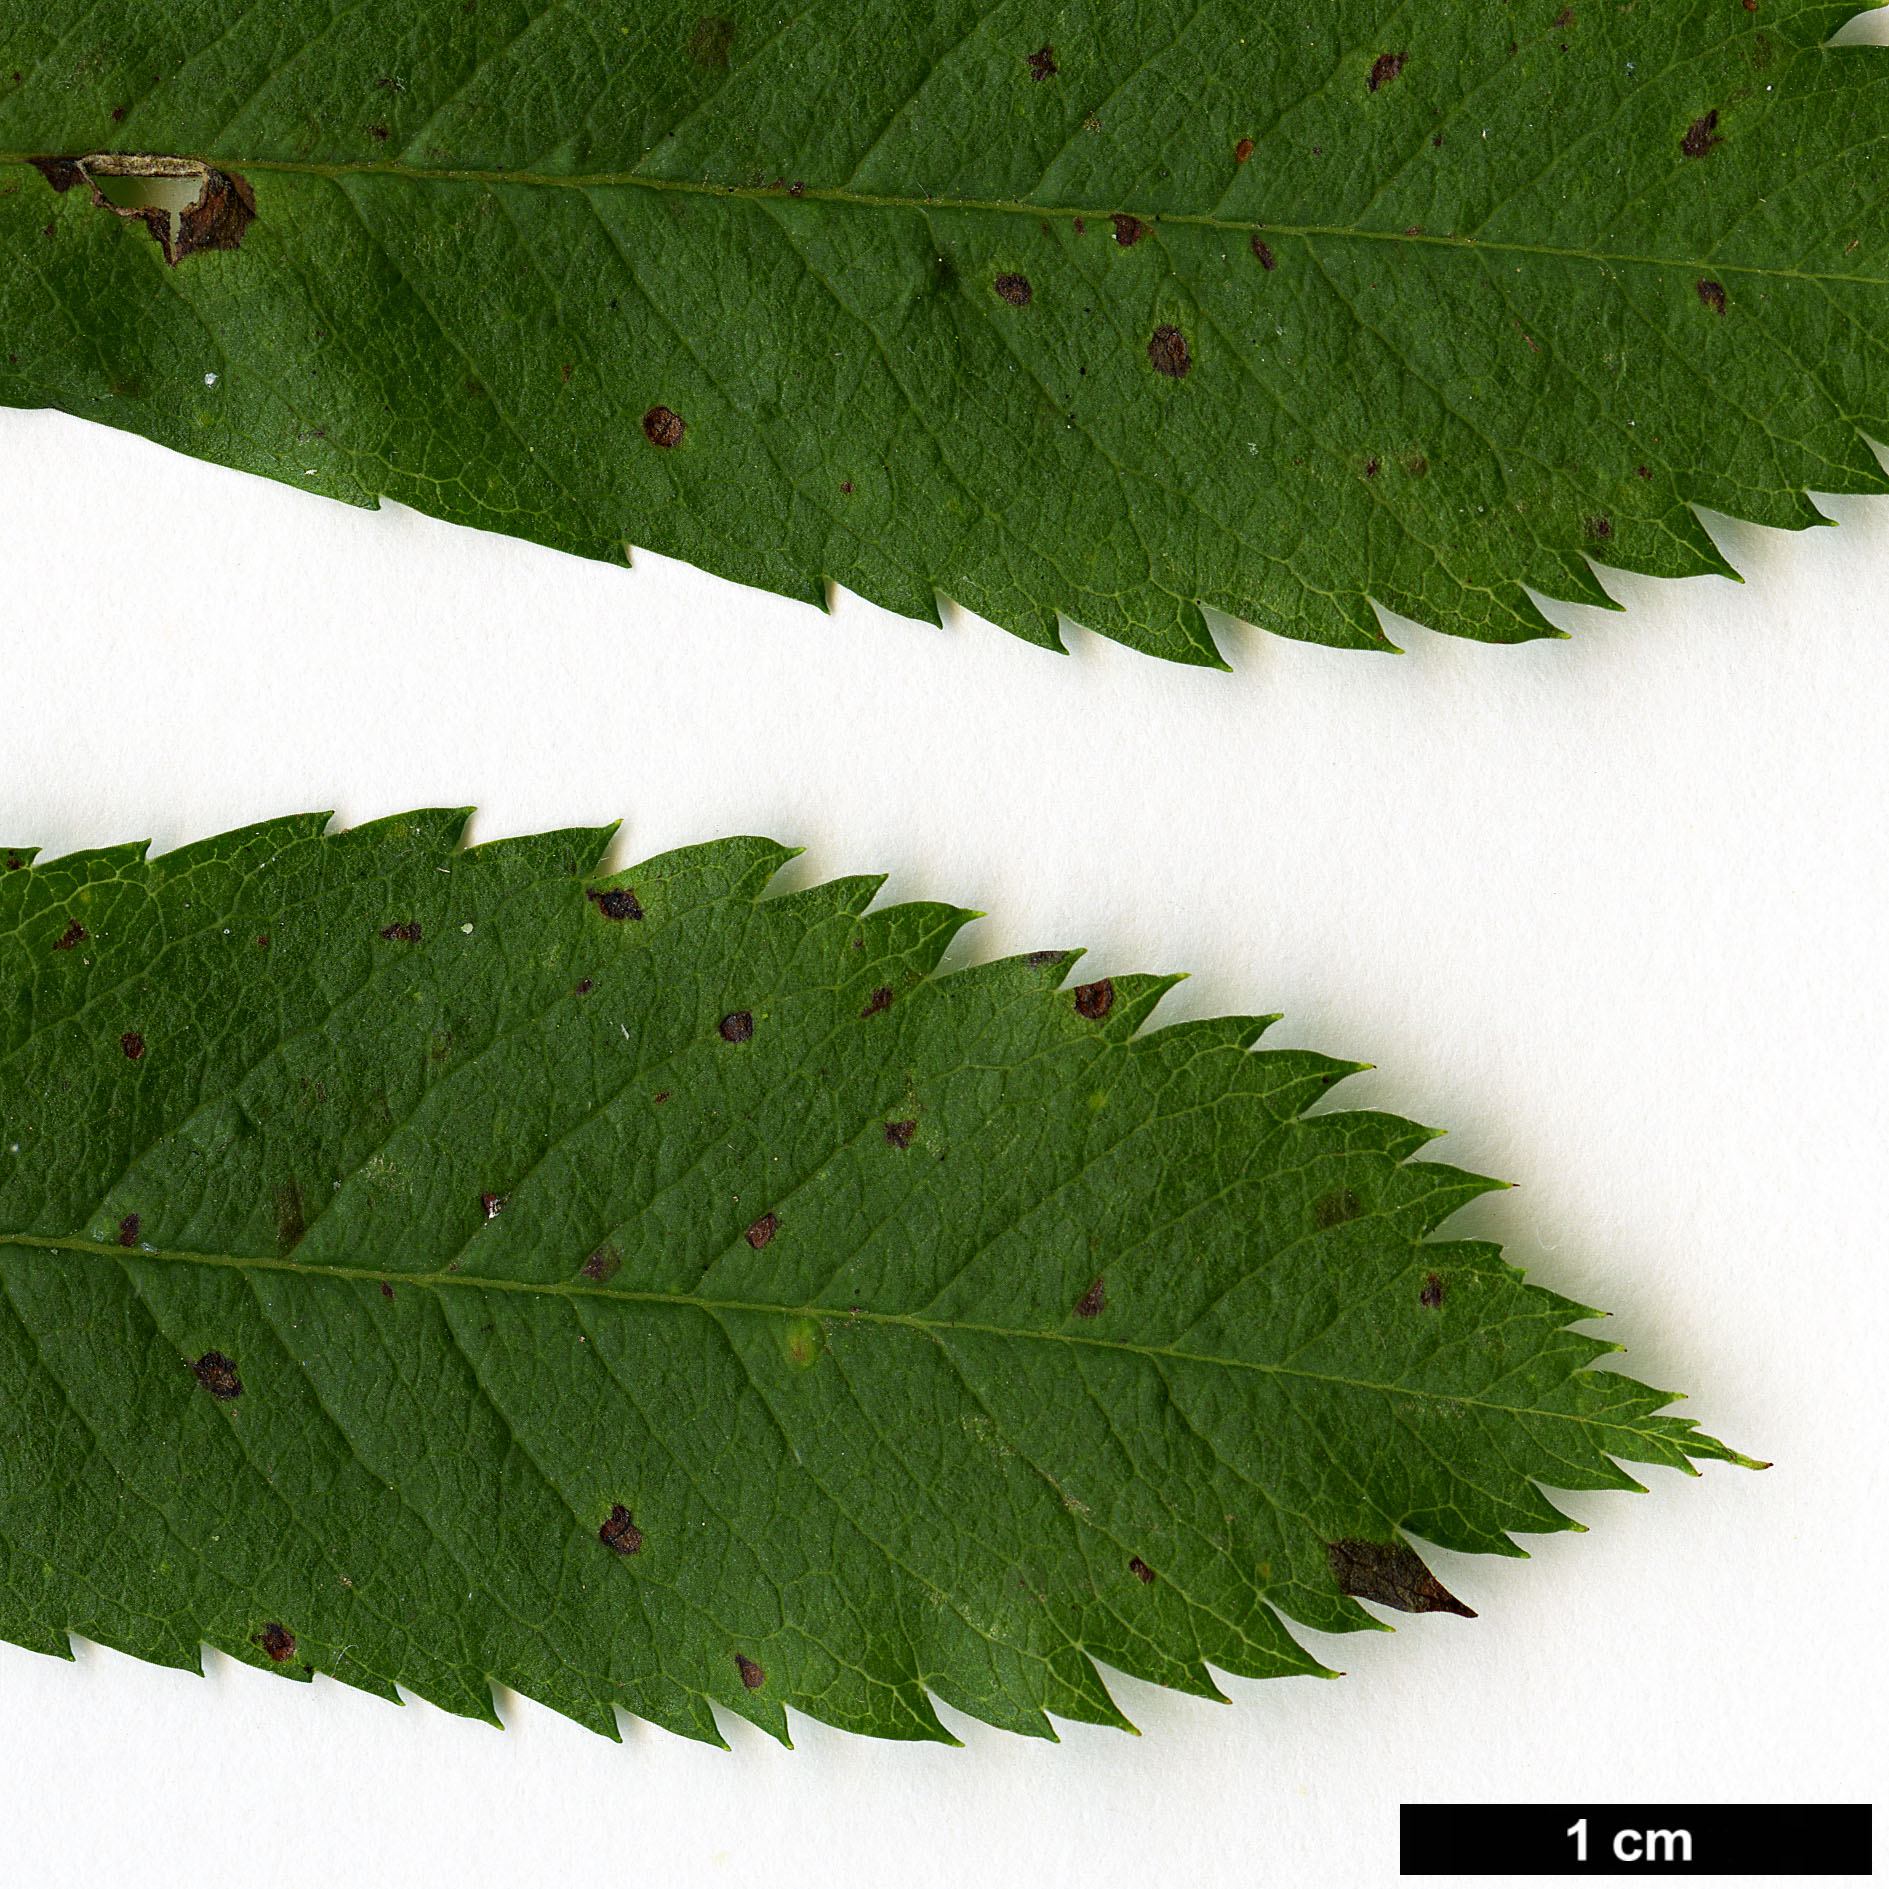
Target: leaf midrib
(1020,207)
(912,1321)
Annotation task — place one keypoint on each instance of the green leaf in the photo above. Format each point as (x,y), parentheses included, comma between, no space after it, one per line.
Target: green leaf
(1086,311)
(435,1267)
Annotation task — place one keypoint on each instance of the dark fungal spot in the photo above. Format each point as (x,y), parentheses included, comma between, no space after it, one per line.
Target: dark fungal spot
(61,172)
(603,1265)
(751,1674)
(1701,135)
(1712,294)
(846,486)
(585,987)
(1371,468)
(386,1291)
(128,1230)
(132,1044)
(1014,289)
(1432,1293)
(712,40)
(1167,350)
(737,1026)
(1391,1574)
(899,1134)
(1645,472)
(1094,1302)
(118,114)
(1045,957)
(663,428)
(661,1096)
(1082,229)
(401,934)
(14,862)
(1243,150)
(74,934)
(378,133)
(1042,63)
(218,1376)
(1267,260)
(492,1205)
(1095,1001)
(619,904)
(262,941)
(762,1231)
(1384,68)
(796,190)
(1141,1570)
(277,1641)
(881,999)
(1335,1209)
(1128,230)
(1600,529)
(620,1534)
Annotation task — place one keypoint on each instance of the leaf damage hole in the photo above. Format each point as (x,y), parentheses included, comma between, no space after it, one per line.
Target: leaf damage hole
(1392,1574)
(1014,289)
(737,1026)
(1167,349)
(752,1674)
(185,204)
(1094,1302)
(619,904)
(1141,1570)
(1701,135)
(881,999)
(1095,1001)
(277,1641)
(620,1534)
(899,1134)
(762,1231)
(218,1376)
(1042,63)
(1384,68)
(492,1205)
(132,1044)
(1712,294)
(663,428)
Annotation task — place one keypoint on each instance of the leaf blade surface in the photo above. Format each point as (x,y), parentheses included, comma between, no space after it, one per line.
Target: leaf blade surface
(433,1267)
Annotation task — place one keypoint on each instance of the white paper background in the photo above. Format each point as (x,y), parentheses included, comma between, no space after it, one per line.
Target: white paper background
(1612,910)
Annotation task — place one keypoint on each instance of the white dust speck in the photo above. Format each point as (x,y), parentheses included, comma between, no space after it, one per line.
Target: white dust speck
(209,380)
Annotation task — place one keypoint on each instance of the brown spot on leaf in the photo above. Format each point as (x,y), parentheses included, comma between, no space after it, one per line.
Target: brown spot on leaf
(15,863)
(1645,472)
(1335,1209)
(408,933)
(378,133)
(217,218)
(603,1265)
(751,1674)
(1371,468)
(712,40)
(1141,1570)
(762,1231)
(61,172)
(1167,349)
(1564,18)
(218,1376)
(1042,63)
(492,1205)
(585,987)
(277,1641)
(1014,289)
(74,934)
(899,1134)
(1712,294)
(132,1044)
(1701,135)
(1432,1293)
(1243,150)
(881,999)
(1267,260)
(1128,229)
(796,190)
(1082,229)
(846,486)
(619,904)
(386,1291)
(620,1533)
(1391,1574)
(737,1026)
(1095,1001)
(1416,465)
(663,428)
(1046,957)
(262,941)
(1384,68)
(1600,529)
(128,1230)
(1093,1302)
